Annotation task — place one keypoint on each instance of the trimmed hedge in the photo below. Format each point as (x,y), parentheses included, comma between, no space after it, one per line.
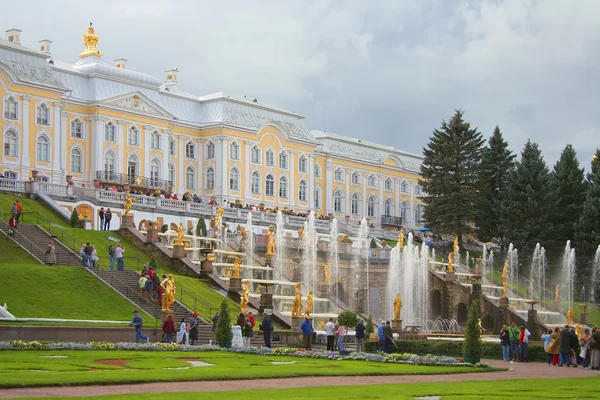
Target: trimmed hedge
(453,349)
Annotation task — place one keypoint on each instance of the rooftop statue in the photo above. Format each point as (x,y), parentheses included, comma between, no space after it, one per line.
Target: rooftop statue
(90,41)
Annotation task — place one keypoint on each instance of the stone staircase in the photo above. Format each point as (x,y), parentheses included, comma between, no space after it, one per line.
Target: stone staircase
(38,236)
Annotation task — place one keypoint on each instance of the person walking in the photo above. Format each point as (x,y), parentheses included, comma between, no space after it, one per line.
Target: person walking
(574,348)
(101,215)
(267,328)
(340,333)
(247,333)
(388,336)
(252,319)
(169,328)
(89,250)
(51,253)
(306,329)
(138,323)
(505,343)
(513,335)
(19,211)
(111,256)
(360,336)
(193,334)
(181,335)
(14,213)
(119,255)
(553,348)
(330,334)
(12,225)
(565,346)
(547,338)
(107,218)
(94,257)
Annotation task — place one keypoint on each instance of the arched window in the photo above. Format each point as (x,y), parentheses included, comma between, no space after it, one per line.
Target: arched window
(110,132)
(418,190)
(269,158)
(283,187)
(372,181)
(155,140)
(355,178)
(389,185)
(404,212)
(210,178)
(190,150)
(75,161)
(355,204)
(255,186)
(133,136)
(171,147)
(339,175)
(256,155)
(10,143)
(133,168)
(43,115)
(234,179)
(389,208)
(317,171)
(154,172)
(43,148)
(404,187)
(302,190)
(171,174)
(302,164)
(210,150)
(10,108)
(109,164)
(76,129)
(371,207)
(190,178)
(283,160)
(317,199)
(418,214)
(338,202)
(234,151)
(270,185)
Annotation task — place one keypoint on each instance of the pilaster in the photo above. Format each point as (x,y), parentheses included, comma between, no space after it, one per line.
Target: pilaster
(379,211)
(56,173)
(25,161)
(97,148)
(62,139)
(365,195)
(329,189)
(292,184)
(146,154)
(181,169)
(348,199)
(311,182)
(164,138)
(120,162)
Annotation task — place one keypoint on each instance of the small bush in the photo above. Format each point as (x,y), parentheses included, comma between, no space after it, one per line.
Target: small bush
(201,227)
(223,333)
(373,244)
(369,328)
(472,342)
(348,318)
(153,263)
(74,219)
(164,228)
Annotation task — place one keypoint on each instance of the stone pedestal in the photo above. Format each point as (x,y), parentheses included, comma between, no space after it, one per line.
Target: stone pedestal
(268,258)
(450,276)
(476,288)
(235,284)
(296,322)
(178,251)
(127,221)
(297,276)
(324,290)
(504,302)
(206,266)
(152,235)
(396,325)
(585,318)
(266,301)
(532,315)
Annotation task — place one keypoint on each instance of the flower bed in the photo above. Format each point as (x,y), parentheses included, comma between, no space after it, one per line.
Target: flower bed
(401,358)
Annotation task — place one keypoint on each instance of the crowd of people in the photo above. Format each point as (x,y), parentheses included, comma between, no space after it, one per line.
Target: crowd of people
(150,284)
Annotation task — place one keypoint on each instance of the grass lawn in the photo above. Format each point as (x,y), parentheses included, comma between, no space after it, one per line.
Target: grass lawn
(30,206)
(16,367)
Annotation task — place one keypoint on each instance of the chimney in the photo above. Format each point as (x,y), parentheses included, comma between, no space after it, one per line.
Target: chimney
(45,46)
(171,79)
(120,63)
(14,35)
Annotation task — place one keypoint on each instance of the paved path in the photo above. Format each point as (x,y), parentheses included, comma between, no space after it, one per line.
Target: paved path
(522,371)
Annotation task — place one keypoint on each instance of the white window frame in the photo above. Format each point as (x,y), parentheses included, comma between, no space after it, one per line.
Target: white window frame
(155,171)
(389,184)
(371,206)
(133,136)
(255,155)
(76,129)
(419,214)
(190,178)
(372,181)
(270,185)
(11,175)
(172,147)
(355,204)
(42,114)
(172,175)
(234,151)
(404,187)
(190,150)
(11,143)
(110,168)
(76,161)
(356,178)
(302,190)
(404,211)
(302,164)
(155,140)
(234,179)
(11,108)
(317,171)
(210,178)
(338,202)
(338,175)
(388,208)
(210,150)
(283,187)
(110,132)
(42,148)
(269,158)
(283,160)
(255,183)
(317,202)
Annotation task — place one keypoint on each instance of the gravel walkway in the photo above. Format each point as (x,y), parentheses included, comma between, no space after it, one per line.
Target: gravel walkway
(522,371)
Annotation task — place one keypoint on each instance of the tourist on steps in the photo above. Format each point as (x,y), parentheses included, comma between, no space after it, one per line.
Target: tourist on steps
(12,225)
(51,253)
(330,334)
(120,254)
(214,321)
(138,323)
(111,256)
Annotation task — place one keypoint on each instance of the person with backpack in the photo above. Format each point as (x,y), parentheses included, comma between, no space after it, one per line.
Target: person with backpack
(247,332)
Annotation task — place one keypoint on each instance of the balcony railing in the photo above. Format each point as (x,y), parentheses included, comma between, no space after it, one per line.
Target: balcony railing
(142,181)
(391,221)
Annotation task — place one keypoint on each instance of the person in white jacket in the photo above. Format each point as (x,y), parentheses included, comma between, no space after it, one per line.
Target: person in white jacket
(524,339)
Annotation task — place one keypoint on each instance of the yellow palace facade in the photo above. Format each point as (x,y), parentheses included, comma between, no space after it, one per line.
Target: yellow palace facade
(96,123)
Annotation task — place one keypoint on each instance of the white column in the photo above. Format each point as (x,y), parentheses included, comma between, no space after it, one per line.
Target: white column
(25,138)
(146,153)
(219,160)
(62,138)
(379,212)
(311,182)
(411,217)
(247,172)
(165,150)
(224,166)
(200,169)
(365,195)
(396,197)
(56,173)
(180,169)
(292,167)
(120,147)
(329,187)
(348,180)
(97,147)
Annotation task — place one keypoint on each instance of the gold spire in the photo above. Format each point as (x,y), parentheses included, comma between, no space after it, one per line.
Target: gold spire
(90,40)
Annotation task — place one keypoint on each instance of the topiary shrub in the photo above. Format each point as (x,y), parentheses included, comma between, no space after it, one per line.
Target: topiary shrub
(472,343)
(223,333)
(373,244)
(164,228)
(201,227)
(348,318)
(369,328)
(74,219)
(153,263)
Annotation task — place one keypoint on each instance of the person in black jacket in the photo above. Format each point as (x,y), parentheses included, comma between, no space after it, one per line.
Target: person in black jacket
(388,336)
(267,327)
(360,337)
(574,348)
(565,346)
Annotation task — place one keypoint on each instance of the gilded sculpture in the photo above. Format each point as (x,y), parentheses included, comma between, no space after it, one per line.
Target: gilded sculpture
(128,201)
(169,294)
(271,244)
(245,296)
(326,275)
(180,231)
(570,316)
(455,247)
(90,41)
(297,305)
(397,307)
(556,293)
(301,232)
(401,239)
(505,280)
(481,328)
(309,304)
(450,263)
(579,330)
(236,265)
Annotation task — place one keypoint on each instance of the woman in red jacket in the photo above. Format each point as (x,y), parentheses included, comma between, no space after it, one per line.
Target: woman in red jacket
(169,328)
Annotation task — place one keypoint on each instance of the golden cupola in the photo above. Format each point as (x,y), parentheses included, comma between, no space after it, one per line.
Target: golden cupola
(90,41)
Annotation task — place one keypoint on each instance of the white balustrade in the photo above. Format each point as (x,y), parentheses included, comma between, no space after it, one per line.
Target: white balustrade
(110,196)
(177,205)
(201,208)
(51,188)
(11,185)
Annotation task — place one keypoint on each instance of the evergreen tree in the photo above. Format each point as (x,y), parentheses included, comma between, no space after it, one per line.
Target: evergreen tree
(450,176)
(587,230)
(527,203)
(497,162)
(201,227)
(568,190)
(472,342)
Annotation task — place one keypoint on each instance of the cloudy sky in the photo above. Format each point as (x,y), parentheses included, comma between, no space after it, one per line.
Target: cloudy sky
(387,71)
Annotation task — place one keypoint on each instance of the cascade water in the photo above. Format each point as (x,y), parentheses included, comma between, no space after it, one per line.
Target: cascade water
(309,239)
(249,244)
(512,257)
(537,274)
(594,295)
(363,236)
(279,222)
(568,274)
(333,254)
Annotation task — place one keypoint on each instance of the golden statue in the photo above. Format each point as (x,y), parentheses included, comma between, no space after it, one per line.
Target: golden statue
(180,230)
(383,243)
(149,224)
(570,316)
(401,239)
(220,212)
(450,263)
(344,239)
(326,275)
(301,232)
(481,328)
(214,222)
(505,271)
(245,296)
(297,305)
(236,264)
(579,330)
(556,293)
(169,294)
(505,280)
(455,247)
(90,41)
(271,244)
(397,307)
(309,304)
(128,201)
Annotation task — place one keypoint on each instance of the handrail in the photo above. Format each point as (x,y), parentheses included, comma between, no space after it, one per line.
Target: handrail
(21,237)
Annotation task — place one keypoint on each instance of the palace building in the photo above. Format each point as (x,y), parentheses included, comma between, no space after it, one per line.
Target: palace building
(100,124)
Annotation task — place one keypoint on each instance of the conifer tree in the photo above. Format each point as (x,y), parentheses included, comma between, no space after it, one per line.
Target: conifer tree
(201,227)
(450,176)
(527,202)
(497,162)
